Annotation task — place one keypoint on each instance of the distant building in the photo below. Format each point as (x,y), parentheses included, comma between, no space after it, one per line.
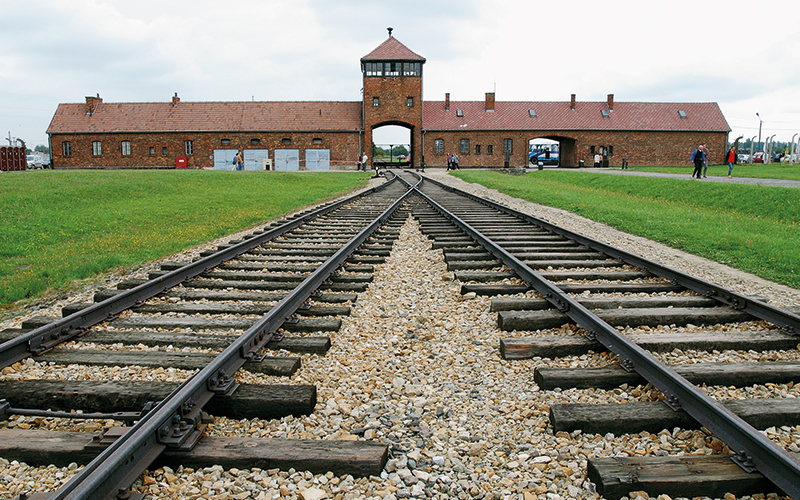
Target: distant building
(334,135)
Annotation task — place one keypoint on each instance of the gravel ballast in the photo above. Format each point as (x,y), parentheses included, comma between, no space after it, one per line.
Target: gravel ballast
(417,366)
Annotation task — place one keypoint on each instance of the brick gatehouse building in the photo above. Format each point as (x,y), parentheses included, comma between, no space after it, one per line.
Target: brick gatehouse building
(333,135)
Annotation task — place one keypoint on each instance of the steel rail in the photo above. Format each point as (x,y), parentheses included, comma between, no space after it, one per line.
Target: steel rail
(173,421)
(48,336)
(787,320)
(755,451)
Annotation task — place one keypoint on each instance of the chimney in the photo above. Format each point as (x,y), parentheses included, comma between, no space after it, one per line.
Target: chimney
(490,101)
(175,99)
(572,102)
(92,103)
(611,101)
(447,101)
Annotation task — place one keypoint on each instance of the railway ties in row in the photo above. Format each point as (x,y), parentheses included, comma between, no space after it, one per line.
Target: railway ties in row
(282,292)
(212,307)
(584,283)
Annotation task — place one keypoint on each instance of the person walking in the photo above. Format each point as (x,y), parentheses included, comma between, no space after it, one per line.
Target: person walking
(240,160)
(731,158)
(705,160)
(699,159)
(598,160)
(364,160)
(455,162)
(449,162)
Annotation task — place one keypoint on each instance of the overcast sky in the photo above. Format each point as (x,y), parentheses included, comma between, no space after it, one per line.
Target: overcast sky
(743,55)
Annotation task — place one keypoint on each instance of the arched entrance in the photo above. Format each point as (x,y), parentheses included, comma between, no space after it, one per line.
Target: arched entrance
(393,144)
(547,146)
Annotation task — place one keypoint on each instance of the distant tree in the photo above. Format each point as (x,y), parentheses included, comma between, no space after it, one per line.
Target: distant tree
(378,152)
(400,150)
(41,148)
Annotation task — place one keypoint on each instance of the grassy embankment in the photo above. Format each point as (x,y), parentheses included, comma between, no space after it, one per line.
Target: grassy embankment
(59,226)
(751,228)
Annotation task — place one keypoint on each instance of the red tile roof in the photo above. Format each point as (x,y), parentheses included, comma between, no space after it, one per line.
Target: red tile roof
(207,117)
(391,49)
(649,116)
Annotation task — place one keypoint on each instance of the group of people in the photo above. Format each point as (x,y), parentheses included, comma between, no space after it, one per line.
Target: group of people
(238,161)
(700,159)
(452,162)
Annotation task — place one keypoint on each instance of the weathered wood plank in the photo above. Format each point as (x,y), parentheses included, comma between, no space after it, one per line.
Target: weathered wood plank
(576,345)
(533,264)
(728,374)
(271,277)
(216,308)
(247,401)
(306,345)
(554,275)
(273,365)
(534,304)
(358,458)
(194,323)
(540,320)
(679,477)
(229,295)
(638,416)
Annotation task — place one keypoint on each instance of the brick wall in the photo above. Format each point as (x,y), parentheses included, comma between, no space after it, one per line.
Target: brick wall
(343,148)
(393,109)
(639,148)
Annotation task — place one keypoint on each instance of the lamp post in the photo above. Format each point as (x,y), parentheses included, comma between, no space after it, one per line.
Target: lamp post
(760,121)
(792,150)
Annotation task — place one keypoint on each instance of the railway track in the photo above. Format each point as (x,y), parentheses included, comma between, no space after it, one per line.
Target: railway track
(543,279)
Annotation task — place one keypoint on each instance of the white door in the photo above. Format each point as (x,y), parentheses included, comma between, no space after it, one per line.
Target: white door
(287,159)
(223,159)
(254,158)
(318,159)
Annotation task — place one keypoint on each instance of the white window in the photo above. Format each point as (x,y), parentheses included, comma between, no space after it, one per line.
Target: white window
(97,148)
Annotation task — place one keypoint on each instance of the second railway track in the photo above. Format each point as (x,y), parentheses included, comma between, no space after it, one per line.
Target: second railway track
(513,427)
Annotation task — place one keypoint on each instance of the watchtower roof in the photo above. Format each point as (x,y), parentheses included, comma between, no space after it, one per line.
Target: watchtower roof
(392,50)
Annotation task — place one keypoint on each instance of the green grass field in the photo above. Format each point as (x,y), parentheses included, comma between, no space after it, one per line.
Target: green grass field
(752,228)
(60,226)
(757,170)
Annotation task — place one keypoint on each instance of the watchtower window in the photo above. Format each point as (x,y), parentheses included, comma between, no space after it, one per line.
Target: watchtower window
(373,69)
(375,102)
(410,102)
(412,69)
(391,69)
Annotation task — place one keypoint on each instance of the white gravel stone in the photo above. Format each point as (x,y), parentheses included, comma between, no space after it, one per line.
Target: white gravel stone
(418,366)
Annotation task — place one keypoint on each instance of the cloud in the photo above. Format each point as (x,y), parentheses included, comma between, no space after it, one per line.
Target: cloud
(718,51)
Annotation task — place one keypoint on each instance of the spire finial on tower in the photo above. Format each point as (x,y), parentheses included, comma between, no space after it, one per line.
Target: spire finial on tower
(389,29)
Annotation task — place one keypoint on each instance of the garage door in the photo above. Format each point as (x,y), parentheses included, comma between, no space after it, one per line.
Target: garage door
(254,158)
(223,159)
(318,159)
(287,159)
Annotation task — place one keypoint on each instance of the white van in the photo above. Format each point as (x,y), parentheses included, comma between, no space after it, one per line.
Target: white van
(34,161)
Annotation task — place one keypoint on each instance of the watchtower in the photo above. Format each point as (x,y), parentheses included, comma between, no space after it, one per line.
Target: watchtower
(392,92)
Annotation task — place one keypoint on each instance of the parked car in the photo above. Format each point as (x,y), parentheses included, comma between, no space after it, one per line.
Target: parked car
(743,158)
(34,161)
(758,158)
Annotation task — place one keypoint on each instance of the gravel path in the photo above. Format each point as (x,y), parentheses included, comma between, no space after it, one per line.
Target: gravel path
(417,366)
